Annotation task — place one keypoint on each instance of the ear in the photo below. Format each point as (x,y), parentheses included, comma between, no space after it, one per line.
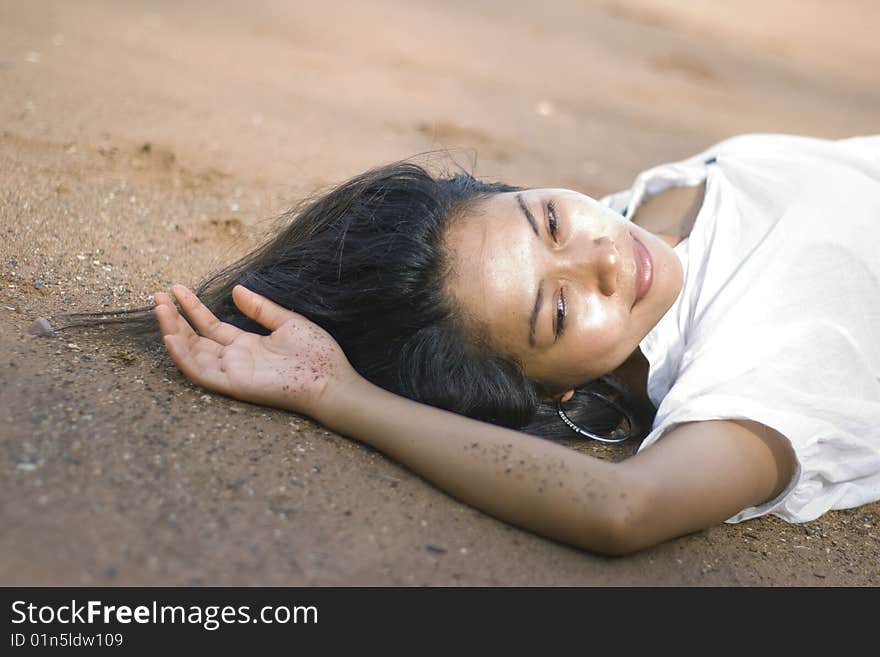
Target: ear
(563,396)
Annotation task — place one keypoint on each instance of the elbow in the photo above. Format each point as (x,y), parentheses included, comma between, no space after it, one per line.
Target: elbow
(621,541)
(626,522)
(620,538)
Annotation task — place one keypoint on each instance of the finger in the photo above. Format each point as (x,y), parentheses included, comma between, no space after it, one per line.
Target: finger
(260,309)
(171,322)
(198,358)
(186,358)
(203,320)
(160,298)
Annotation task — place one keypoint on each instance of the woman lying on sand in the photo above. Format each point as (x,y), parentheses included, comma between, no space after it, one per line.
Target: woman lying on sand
(726,308)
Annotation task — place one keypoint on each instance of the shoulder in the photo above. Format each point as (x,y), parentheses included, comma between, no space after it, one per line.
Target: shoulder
(670,214)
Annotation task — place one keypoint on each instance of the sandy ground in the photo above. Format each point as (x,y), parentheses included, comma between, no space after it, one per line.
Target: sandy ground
(147,143)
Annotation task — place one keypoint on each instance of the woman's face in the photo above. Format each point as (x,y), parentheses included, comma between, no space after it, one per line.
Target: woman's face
(552,277)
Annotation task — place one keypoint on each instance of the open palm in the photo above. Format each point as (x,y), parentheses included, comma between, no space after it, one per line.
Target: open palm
(290,368)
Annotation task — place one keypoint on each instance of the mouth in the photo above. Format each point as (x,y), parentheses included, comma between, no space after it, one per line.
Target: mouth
(644,275)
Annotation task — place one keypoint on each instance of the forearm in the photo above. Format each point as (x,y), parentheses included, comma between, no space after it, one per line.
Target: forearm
(527,481)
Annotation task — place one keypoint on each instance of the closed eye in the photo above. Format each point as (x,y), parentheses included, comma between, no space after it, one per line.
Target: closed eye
(559,323)
(552,222)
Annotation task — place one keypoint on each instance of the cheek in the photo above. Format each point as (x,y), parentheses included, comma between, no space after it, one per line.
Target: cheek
(602,335)
(602,323)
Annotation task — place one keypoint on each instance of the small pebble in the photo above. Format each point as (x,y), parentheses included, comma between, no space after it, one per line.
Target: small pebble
(41,327)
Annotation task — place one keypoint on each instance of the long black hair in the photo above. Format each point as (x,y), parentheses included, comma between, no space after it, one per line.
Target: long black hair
(366,261)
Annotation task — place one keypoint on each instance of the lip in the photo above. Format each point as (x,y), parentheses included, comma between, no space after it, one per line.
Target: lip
(644,270)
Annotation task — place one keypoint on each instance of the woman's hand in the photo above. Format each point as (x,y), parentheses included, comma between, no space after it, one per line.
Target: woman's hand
(291,368)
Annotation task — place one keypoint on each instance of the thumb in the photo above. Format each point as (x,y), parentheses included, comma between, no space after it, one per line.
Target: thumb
(260,309)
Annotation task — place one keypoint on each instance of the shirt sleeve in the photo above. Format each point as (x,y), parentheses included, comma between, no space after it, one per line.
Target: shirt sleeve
(835,441)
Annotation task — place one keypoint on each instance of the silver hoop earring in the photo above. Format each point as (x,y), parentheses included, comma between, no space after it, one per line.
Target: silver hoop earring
(616,436)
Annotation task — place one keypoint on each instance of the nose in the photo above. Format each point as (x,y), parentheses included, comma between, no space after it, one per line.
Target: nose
(596,261)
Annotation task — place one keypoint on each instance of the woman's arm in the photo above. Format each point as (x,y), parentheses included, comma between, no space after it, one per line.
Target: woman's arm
(527,481)
(696,476)
(701,473)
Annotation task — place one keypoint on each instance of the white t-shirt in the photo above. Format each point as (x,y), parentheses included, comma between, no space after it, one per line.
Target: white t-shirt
(778,319)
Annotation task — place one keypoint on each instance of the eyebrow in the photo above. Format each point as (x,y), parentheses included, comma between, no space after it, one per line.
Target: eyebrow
(533,318)
(528,214)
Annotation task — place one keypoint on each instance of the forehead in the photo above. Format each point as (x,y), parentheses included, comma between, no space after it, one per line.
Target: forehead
(492,278)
